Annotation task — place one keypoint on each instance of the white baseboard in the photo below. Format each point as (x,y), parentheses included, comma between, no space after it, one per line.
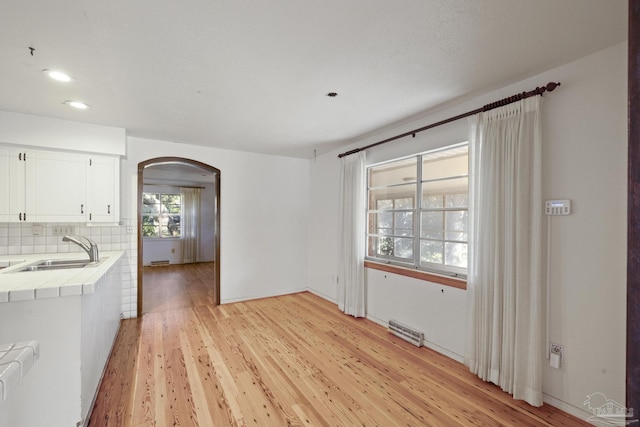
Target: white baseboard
(259,296)
(566,407)
(323,296)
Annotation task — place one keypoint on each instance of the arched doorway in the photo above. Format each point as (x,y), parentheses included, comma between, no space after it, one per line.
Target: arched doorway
(167,163)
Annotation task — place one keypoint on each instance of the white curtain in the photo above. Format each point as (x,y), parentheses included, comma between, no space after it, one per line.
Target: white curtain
(190,227)
(352,235)
(504,283)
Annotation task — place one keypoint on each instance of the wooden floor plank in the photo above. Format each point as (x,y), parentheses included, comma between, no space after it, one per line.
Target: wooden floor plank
(291,360)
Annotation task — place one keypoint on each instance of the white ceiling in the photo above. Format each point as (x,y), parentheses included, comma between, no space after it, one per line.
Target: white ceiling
(253,75)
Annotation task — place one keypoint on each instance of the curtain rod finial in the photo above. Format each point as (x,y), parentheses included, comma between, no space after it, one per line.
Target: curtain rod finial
(551,86)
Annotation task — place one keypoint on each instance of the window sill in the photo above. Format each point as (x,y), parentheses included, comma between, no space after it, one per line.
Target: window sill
(418,274)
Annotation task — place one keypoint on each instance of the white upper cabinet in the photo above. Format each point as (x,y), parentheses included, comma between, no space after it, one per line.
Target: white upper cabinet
(53,186)
(103,190)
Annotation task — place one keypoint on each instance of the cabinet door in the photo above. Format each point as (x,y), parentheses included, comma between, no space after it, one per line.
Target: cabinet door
(12,187)
(57,187)
(104,189)
(5,211)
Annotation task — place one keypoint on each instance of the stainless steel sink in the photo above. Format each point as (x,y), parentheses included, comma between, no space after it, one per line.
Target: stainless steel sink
(58,264)
(48,262)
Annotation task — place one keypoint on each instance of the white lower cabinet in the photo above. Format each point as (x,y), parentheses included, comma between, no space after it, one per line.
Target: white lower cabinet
(76,334)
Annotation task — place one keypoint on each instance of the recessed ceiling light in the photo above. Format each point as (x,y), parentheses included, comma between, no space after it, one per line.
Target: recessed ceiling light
(58,75)
(77,104)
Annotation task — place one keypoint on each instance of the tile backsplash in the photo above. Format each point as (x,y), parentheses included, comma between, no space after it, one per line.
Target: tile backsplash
(44,238)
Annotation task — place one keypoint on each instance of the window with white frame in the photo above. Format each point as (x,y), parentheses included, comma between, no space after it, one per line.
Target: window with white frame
(161,215)
(417,211)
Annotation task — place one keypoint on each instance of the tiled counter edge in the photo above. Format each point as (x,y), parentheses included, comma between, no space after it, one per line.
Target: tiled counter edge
(22,286)
(16,359)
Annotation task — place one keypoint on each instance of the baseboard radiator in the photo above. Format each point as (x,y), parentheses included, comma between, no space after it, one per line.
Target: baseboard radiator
(407,333)
(161,262)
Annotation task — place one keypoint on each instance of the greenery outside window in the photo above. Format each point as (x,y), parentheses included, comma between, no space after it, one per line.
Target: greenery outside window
(418,211)
(161,214)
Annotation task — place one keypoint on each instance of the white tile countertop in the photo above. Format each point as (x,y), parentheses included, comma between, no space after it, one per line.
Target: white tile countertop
(30,285)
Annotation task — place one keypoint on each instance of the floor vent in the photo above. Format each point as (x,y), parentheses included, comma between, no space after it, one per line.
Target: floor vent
(162,262)
(406,333)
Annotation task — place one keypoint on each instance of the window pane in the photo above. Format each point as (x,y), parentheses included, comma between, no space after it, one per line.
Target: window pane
(456,254)
(406,203)
(432,226)
(378,222)
(431,251)
(405,191)
(380,246)
(403,248)
(384,204)
(150,203)
(432,201)
(170,225)
(457,225)
(150,226)
(171,203)
(404,224)
(457,186)
(460,200)
(398,172)
(441,164)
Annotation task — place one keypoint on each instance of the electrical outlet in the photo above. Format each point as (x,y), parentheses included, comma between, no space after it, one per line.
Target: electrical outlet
(557,349)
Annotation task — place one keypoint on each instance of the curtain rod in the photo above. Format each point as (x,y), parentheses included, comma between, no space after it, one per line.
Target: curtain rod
(171,185)
(515,98)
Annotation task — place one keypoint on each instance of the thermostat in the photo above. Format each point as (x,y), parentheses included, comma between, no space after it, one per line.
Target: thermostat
(558,207)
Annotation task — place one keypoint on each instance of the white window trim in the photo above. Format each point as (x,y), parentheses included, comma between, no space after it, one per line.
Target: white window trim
(415,263)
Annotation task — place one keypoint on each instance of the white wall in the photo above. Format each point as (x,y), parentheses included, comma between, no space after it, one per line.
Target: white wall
(264,215)
(46,132)
(585,155)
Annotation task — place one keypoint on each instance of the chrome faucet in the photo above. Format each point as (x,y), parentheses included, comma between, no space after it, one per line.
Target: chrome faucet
(89,247)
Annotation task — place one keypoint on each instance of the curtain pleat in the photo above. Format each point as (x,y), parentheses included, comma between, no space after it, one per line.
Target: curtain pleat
(504,280)
(351,297)
(190,227)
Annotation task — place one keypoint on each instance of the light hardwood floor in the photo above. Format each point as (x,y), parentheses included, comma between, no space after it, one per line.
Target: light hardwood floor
(172,287)
(291,360)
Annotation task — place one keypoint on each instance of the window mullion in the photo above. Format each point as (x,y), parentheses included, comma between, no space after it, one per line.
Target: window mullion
(418,214)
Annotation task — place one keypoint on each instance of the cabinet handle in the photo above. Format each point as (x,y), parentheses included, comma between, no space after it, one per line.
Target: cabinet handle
(81,209)
(109,209)
(90,217)
(20,156)
(20,216)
